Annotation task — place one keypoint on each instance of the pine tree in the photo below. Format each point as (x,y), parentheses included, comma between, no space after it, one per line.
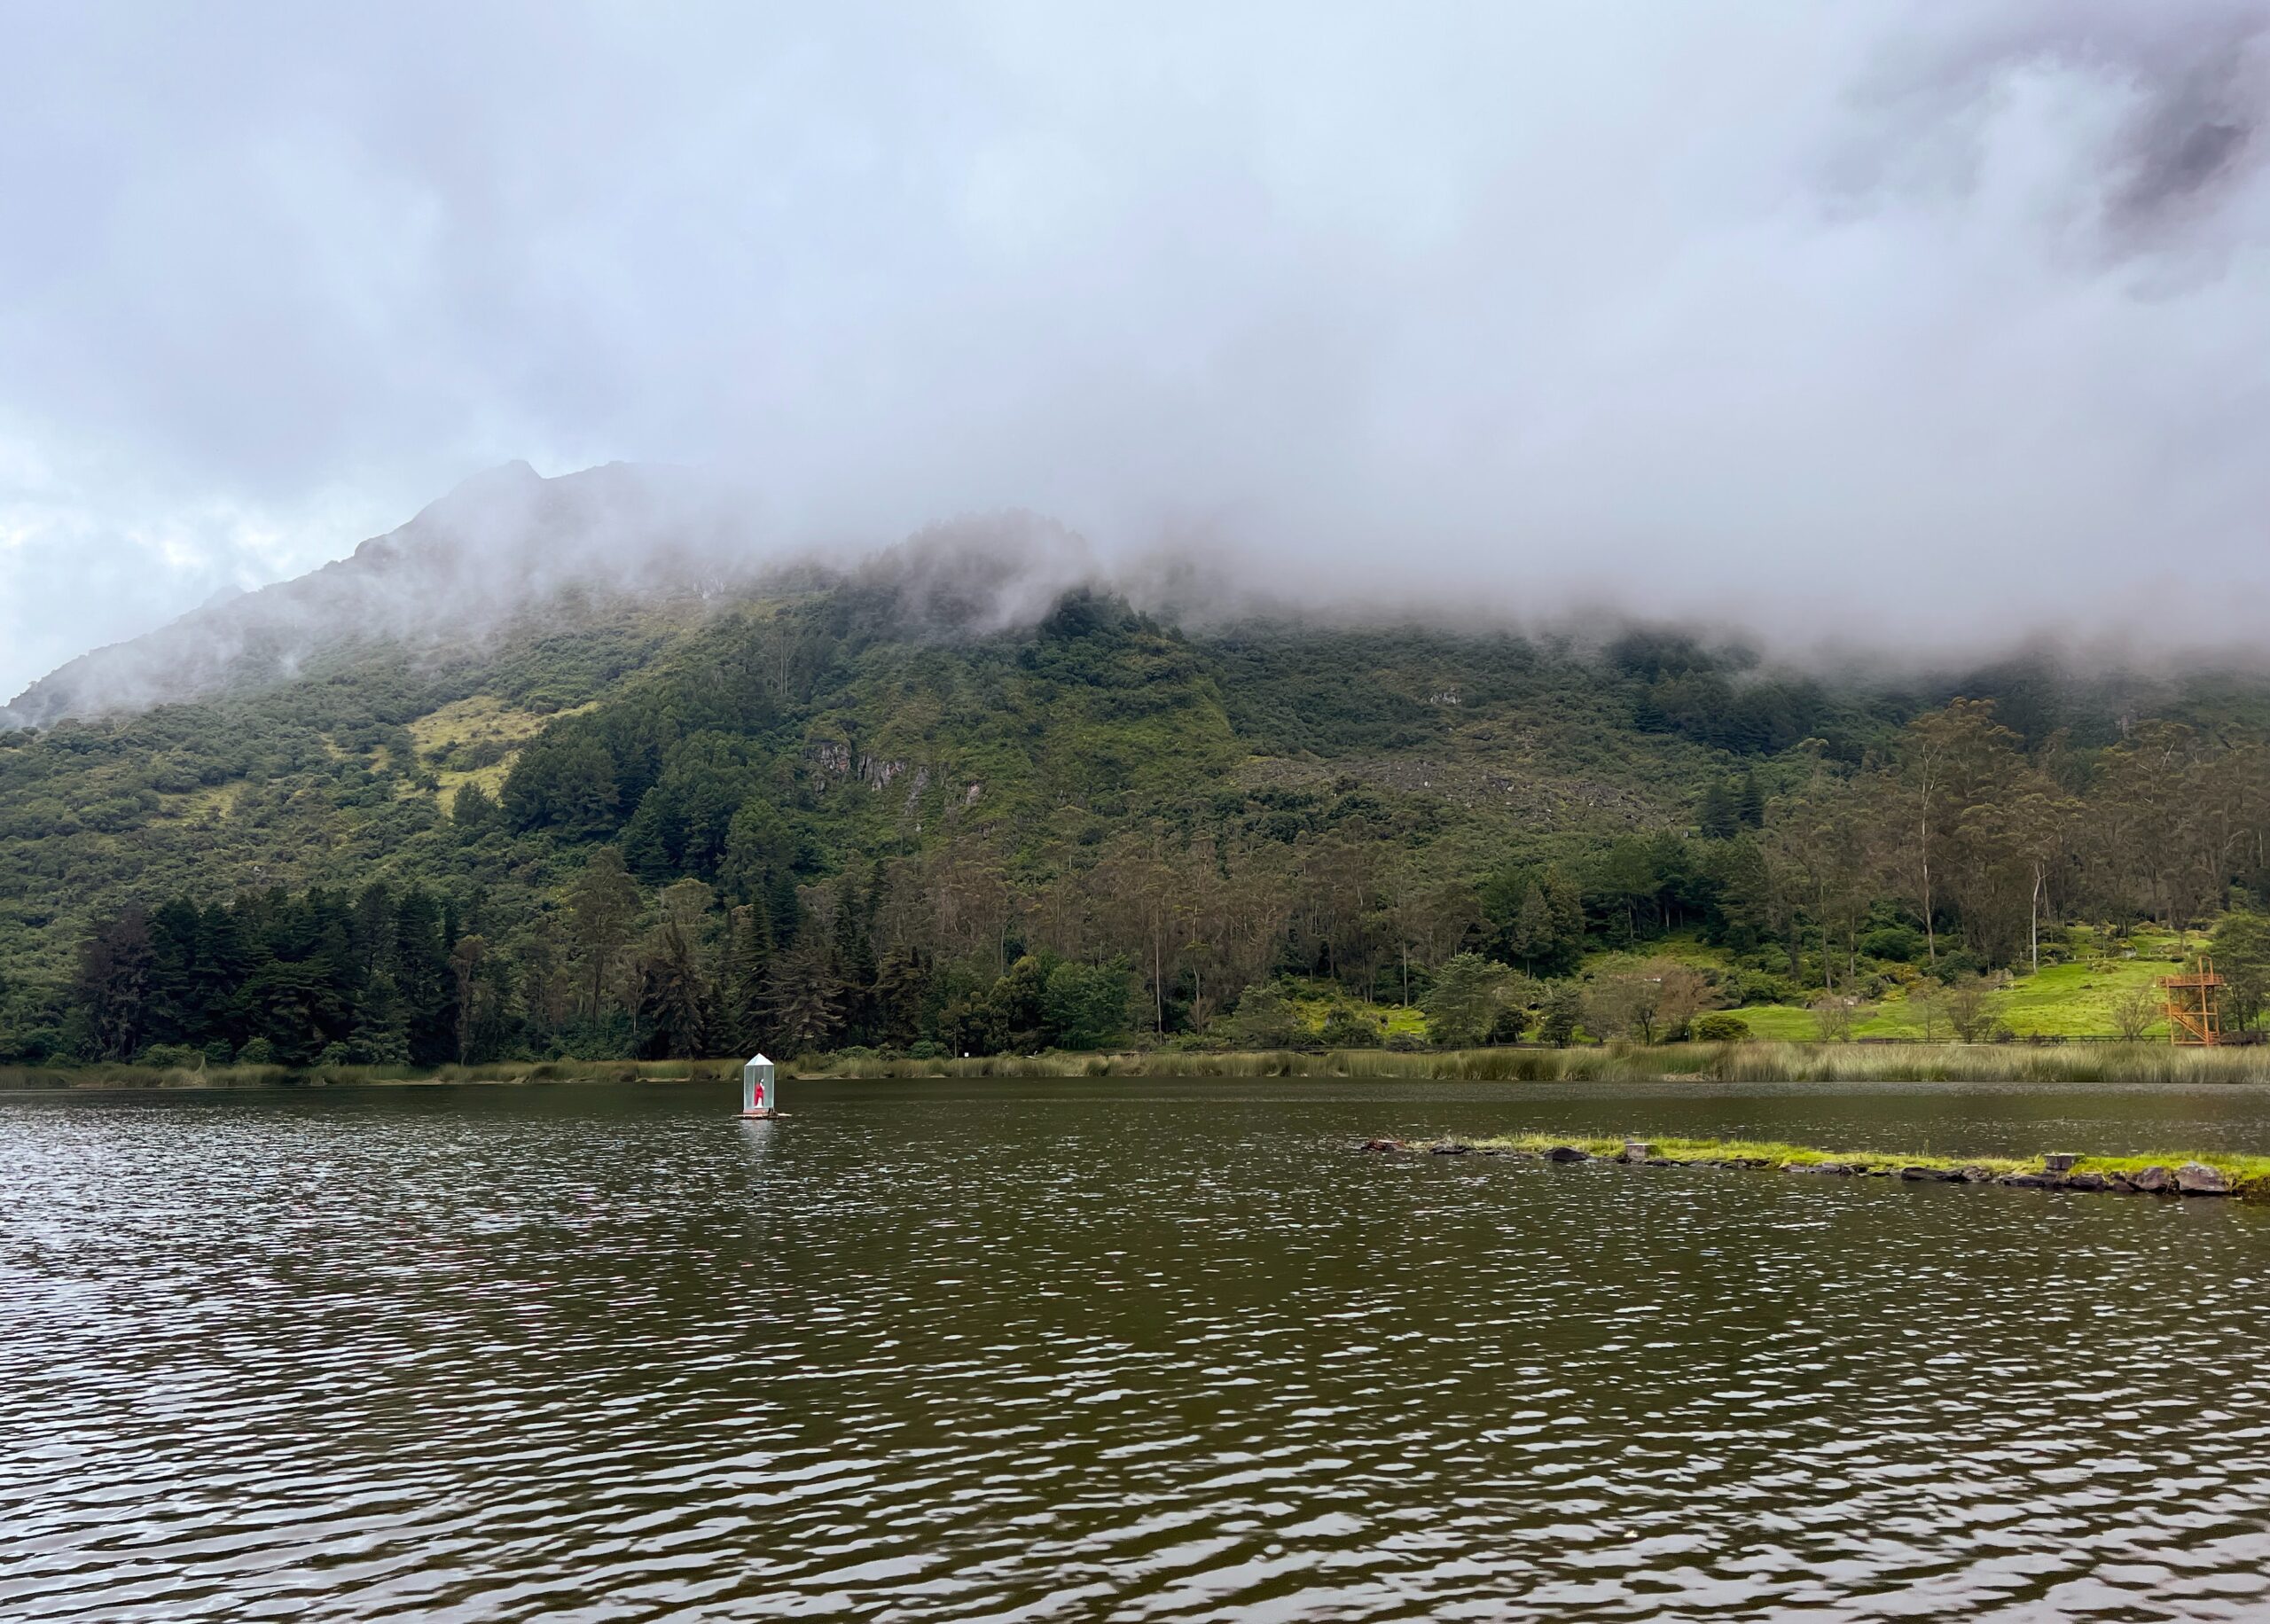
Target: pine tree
(114,986)
(1535,936)
(852,960)
(807,1008)
(902,995)
(422,977)
(1567,902)
(748,981)
(1752,802)
(673,1003)
(604,902)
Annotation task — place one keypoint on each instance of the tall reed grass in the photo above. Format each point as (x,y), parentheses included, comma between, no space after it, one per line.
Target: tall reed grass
(2135,1063)
(105,1076)
(1764,1062)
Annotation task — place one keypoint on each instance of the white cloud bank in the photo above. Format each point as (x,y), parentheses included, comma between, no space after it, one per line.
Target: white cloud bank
(1876,320)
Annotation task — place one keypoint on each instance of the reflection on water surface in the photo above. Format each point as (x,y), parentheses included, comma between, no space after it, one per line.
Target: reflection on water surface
(1125,1351)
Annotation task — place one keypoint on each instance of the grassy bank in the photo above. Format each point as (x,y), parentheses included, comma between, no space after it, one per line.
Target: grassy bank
(2248,1176)
(2140,1063)
(1767,1062)
(101,1077)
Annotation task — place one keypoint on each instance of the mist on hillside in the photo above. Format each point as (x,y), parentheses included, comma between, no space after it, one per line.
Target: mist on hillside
(1879,333)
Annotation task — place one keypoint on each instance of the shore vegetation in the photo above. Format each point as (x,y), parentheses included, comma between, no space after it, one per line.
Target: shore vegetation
(1991,1063)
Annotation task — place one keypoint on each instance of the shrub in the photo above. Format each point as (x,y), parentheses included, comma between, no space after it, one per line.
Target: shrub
(1901,943)
(1721,1027)
(1463,1004)
(1406,1042)
(1957,966)
(1085,1005)
(1763,987)
(259,1051)
(1564,1007)
(169,1057)
(1346,1027)
(1966,1007)
(1265,1018)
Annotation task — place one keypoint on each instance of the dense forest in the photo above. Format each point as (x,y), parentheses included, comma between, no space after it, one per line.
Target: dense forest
(802,821)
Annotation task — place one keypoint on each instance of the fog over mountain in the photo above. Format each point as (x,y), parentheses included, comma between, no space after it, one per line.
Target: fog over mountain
(1899,325)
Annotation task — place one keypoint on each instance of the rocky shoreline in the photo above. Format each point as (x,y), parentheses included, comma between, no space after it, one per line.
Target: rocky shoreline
(2239,1178)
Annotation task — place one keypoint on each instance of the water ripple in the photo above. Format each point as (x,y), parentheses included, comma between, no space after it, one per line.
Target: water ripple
(1035,1354)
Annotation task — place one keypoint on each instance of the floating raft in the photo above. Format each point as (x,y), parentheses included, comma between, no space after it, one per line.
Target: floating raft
(760,1088)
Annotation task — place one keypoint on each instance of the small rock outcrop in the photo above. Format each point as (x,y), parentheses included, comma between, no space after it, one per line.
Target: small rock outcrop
(2198,1179)
(2153,1181)
(1567,1153)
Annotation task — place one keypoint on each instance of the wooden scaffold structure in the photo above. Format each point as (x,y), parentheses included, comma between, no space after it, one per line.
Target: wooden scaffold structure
(2193,1006)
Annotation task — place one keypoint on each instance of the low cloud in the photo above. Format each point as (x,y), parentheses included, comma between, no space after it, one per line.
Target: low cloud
(1915,326)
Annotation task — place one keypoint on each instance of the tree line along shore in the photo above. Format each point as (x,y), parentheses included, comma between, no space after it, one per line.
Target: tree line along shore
(802,832)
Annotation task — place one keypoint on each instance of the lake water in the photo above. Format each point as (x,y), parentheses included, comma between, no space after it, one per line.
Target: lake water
(1117,1350)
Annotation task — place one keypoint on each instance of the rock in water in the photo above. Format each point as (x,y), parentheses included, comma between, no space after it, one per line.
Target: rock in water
(1566,1152)
(2198,1179)
(1944,1175)
(2153,1181)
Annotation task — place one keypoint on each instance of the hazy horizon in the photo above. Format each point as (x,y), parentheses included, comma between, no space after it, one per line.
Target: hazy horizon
(1879,326)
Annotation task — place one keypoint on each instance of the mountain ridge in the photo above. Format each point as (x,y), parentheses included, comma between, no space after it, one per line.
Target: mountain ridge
(494,545)
(984,752)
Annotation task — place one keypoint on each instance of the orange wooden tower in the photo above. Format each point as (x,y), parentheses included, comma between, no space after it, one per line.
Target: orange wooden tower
(2192,1011)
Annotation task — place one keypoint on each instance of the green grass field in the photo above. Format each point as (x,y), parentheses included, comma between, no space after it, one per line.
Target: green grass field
(2070,1000)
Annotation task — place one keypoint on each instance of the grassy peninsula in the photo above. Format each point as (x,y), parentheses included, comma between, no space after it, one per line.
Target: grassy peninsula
(2202,1173)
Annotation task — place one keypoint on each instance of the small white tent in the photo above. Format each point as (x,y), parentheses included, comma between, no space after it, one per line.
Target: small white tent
(760,1094)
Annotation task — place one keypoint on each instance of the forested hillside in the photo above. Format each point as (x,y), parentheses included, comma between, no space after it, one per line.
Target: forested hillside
(824,814)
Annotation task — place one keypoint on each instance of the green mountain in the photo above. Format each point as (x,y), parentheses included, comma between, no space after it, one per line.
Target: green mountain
(950,761)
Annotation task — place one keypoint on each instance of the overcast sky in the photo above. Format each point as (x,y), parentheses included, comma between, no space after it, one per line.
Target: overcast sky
(1873,319)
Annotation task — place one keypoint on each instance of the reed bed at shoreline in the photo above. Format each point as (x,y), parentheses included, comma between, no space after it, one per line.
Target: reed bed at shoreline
(48,1077)
(1765,1062)
(1755,1062)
